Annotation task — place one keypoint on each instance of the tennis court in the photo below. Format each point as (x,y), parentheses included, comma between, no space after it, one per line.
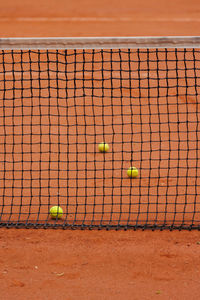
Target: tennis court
(57,105)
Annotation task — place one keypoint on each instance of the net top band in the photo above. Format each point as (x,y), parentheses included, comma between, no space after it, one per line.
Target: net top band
(99,43)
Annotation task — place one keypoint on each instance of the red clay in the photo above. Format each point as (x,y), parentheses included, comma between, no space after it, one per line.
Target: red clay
(39,264)
(53,264)
(99,18)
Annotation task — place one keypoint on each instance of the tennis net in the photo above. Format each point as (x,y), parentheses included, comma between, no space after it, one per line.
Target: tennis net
(60,98)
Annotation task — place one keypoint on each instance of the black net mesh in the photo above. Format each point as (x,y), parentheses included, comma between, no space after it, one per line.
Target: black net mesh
(57,106)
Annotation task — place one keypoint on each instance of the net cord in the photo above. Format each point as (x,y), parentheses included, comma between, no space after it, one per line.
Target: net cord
(99,43)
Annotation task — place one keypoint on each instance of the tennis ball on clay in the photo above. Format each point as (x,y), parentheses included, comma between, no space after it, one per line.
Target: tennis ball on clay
(132,172)
(103,147)
(56,212)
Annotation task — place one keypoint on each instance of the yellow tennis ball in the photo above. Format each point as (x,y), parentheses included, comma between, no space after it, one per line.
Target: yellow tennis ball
(132,172)
(103,147)
(56,212)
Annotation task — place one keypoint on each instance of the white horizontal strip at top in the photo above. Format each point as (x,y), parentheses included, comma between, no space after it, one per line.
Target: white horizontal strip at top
(99,43)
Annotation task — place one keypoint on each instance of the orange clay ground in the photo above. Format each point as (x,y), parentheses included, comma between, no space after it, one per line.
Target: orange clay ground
(68,265)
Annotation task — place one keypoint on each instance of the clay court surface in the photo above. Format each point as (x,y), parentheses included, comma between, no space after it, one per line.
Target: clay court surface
(58,264)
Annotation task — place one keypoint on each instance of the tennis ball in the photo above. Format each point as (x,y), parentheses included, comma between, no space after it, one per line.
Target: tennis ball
(103,147)
(56,212)
(132,172)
